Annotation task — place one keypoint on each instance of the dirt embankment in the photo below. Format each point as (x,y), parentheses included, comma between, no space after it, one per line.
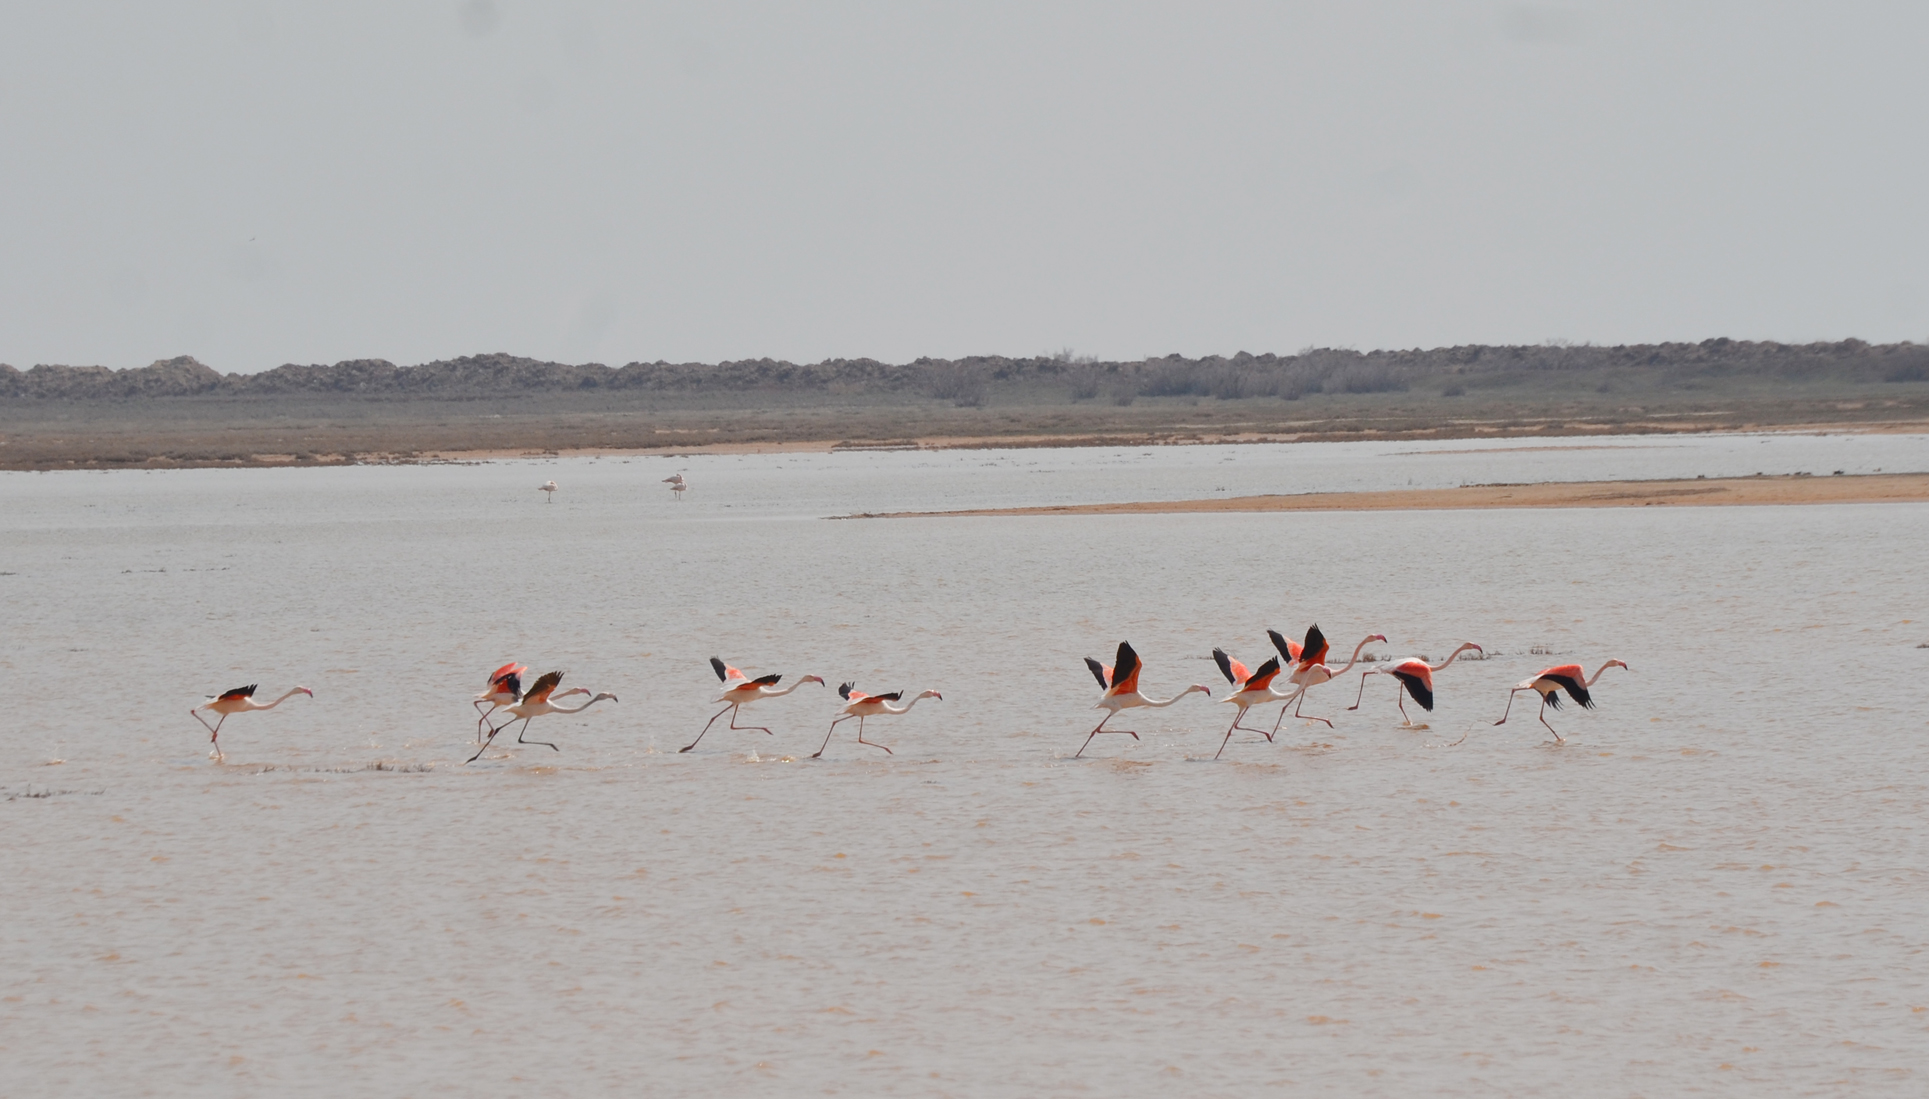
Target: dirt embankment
(1874,488)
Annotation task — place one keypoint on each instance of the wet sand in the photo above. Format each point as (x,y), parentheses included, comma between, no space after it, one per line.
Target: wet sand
(1879,488)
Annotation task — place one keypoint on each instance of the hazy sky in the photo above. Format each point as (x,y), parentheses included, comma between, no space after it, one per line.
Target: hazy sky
(255,183)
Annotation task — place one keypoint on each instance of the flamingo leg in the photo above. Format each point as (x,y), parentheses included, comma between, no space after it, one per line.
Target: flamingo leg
(525,728)
(484,719)
(750,728)
(1243,728)
(1307,717)
(1357,698)
(1100,728)
(1281,720)
(1510,704)
(707,724)
(1558,738)
(827,736)
(872,743)
(214,732)
(1401,697)
(485,745)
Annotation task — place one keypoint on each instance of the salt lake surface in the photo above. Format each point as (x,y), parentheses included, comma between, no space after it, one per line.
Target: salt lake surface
(1715,886)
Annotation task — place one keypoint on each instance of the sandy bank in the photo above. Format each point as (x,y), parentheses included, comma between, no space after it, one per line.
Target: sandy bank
(1883,488)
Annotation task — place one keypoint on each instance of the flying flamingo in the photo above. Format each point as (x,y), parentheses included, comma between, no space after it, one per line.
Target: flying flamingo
(739,689)
(860,706)
(549,490)
(678,486)
(1312,671)
(505,687)
(1121,685)
(534,705)
(240,700)
(1416,679)
(1250,689)
(1550,682)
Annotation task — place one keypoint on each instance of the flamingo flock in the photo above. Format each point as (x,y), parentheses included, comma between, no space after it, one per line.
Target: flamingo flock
(1285,678)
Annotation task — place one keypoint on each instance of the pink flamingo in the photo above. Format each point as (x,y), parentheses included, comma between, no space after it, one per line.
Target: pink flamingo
(1416,678)
(739,689)
(239,700)
(1121,685)
(504,688)
(535,704)
(1550,682)
(860,706)
(1250,689)
(1311,671)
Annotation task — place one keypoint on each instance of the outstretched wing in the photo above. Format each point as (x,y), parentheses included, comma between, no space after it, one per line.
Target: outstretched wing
(507,670)
(1099,672)
(892,697)
(844,690)
(765,681)
(540,692)
(1288,650)
(1125,670)
(725,673)
(238,692)
(1314,650)
(1568,678)
(1417,686)
(1263,678)
(1232,669)
(510,684)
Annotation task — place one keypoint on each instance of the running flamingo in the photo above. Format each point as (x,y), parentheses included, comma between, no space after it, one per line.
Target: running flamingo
(534,705)
(1311,671)
(739,689)
(860,706)
(1121,684)
(1254,689)
(240,700)
(1416,679)
(505,687)
(1550,682)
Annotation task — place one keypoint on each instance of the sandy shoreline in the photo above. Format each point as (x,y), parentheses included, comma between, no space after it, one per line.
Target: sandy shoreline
(1874,488)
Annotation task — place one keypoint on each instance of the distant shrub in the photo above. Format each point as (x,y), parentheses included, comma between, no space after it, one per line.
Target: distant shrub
(1366,378)
(1917,371)
(962,385)
(1084,383)
(1454,390)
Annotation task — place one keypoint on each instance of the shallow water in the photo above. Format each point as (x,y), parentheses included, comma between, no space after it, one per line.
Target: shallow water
(1713,886)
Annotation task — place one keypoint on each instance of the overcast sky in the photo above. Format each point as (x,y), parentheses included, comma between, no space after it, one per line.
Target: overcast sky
(255,183)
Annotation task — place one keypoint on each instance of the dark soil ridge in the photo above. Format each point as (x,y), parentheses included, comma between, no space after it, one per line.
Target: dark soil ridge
(968,382)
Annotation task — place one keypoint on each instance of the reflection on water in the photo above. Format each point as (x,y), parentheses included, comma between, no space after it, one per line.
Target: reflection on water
(1717,879)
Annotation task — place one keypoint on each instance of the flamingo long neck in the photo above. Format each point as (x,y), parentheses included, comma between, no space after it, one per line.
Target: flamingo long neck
(905,709)
(1597,675)
(1449,660)
(297,691)
(1354,659)
(555,709)
(770,692)
(1156,704)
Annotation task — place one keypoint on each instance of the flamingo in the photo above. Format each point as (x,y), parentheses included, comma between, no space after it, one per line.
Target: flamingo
(534,705)
(239,700)
(505,687)
(1121,685)
(1312,671)
(860,706)
(549,491)
(1250,689)
(1416,679)
(678,486)
(738,689)
(1550,682)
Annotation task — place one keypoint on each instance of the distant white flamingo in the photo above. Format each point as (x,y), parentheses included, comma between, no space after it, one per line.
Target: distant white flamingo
(549,489)
(534,705)
(1249,689)
(739,689)
(504,688)
(1416,679)
(1550,682)
(860,706)
(1121,685)
(1312,671)
(678,486)
(239,700)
